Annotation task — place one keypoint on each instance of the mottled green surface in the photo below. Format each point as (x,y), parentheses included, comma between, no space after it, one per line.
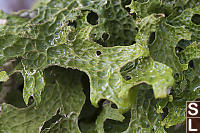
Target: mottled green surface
(191,52)
(163,47)
(126,48)
(151,72)
(59,92)
(64,125)
(143,115)
(69,46)
(3,76)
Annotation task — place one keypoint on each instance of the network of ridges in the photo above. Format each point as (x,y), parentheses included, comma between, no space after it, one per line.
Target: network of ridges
(185,20)
(8,36)
(143,9)
(115,26)
(31,38)
(33,50)
(38,48)
(143,114)
(105,79)
(103,64)
(56,43)
(191,3)
(151,72)
(176,108)
(190,52)
(91,4)
(162,49)
(170,8)
(184,90)
(175,116)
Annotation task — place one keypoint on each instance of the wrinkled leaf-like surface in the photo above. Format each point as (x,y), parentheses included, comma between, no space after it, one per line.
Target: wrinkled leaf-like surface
(56,96)
(126,48)
(33,86)
(163,47)
(143,115)
(66,45)
(151,72)
(191,52)
(186,20)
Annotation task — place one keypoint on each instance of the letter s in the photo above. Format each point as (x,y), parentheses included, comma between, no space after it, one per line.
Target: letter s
(193,108)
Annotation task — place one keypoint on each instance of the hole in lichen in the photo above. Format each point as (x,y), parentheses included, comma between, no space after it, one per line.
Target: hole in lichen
(105,36)
(196,19)
(128,68)
(98,53)
(191,64)
(92,18)
(30,100)
(106,102)
(72,23)
(183,43)
(88,113)
(101,42)
(114,106)
(141,1)
(136,29)
(15,95)
(198,99)
(124,3)
(176,76)
(128,9)
(134,15)
(127,77)
(178,49)
(165,113)
(133,42)
(54,119)
(151,38)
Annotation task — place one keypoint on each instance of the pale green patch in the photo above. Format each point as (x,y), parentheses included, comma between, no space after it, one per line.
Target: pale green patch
(3,76)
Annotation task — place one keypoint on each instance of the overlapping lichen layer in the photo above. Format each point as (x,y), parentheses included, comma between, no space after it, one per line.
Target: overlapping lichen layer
(117,51)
